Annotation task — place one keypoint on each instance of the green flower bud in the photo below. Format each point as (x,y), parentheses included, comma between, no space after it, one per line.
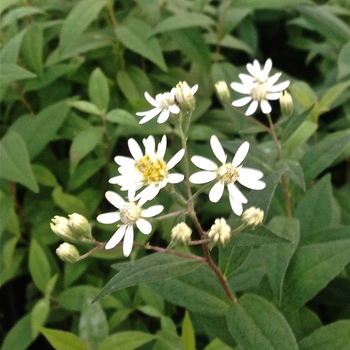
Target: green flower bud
(80,226)
(68,253)
(60,226)
(286,103)
(184,96)
(222,91)
(181,234)
(219,233)
(253,217)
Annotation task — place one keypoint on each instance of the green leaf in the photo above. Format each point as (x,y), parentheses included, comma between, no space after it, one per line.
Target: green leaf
(14,161)
(39,266)
(331,95)
(256,4)
(343,61)
(277,257)
(45,124)
(258,325)
(232,256)
(99,89)
(86,106)
(183,20)
(122,117)
(61,340)
(39,314)
(154,267)
(5,4)
(44,176)
(9,52)
(10,72)
(293,172)
(84,143)
(188,338)
(321,156)
(314,265)
(330,337)
(127,340)
(135,35)
(6,205)
(18,13)
(313,210)
(198,291)
(74,298)
(78,19)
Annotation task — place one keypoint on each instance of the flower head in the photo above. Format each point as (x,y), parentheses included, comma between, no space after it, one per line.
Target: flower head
(149,169)
(253,217)
(181,234)
(222,91)
(227,175)
(286,103)
(259,87)
(130,214)
(184,96)
(219,233)
(68,253)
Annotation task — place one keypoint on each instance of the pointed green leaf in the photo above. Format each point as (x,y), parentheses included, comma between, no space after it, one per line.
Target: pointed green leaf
(99,89)
(256,4)
(188,338)
(14,161)
(61,340)
(44,176)
(343,61)
(39,315)
(127,340)
(122,117)
(154,267)
(9,52)
(258,325)
(10,72)
(331,95)
(232,256)
(18,13)
(86,106)
(293,171)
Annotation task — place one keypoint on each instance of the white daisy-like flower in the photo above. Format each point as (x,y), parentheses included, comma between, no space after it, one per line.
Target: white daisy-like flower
(259,86)
(227,174)
(150,169)
(130,214)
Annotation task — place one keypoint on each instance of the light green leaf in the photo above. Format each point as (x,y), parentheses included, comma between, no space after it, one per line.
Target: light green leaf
(9,52)
(217,344)
(293,172)
(99,89)
(6,205)
(39,314)
(188,338)
(10,72)
(331,95)
(154,267)
(74,298)
(183,20)
(14,161)
(84,143)
(39,266)
(127,340)
(18,13)
(228,41)
(343,61)
(122,117)
(44,176)
(61,340)
(86,106)
(256,4)
(5,4)
(78,19)
(258,325)
(330,337)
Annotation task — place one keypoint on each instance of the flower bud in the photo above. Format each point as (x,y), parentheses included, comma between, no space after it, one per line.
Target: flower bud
(68,253)
(286,103)
(253,217)
(60,226)
(219,233)
(80,226)
(184,96)
(222,91)
(181,234)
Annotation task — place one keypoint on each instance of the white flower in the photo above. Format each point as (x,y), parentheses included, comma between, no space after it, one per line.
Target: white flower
(259,86)
(227,174)
(130,214)
(148,170)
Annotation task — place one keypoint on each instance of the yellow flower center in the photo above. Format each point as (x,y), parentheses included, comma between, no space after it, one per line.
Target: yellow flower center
(130,213)
(153,171)
(259,92)
(227,174)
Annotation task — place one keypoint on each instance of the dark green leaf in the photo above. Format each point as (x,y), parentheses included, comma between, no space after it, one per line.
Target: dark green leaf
(86,106)
(61,340)
(122,117)
(9,52)
(258,325)
(267,3)
(232,256)
(99,89)
(331,95)
(39,314)
(10,72)
(19,13)
(293,172)
(343,61)
(127,340)
(44,176)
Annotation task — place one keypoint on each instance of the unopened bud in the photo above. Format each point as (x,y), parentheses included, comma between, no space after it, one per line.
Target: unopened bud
(80,226)
(68,253)
(219,233)
(60,226)
(184,96)
(286,103)
(181,234)
(253,217)
(222,91)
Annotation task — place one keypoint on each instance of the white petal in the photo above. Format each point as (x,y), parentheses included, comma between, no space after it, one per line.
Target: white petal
(148,115)
(176,158)
(108,218)
(216,192)
(174,109)
(253,174)
(152,211)
(240,154)
(128,240)
(115,199)
(124,161)
(116,238)
(280,87)
(161,148)
(267,67)
(265,106)
(217,149)
(252,184)
(243,89)
(144,226)
(257,67)
(149,192)
(194,89)
(236,193)
(236,206)
(204,163)
(251,69)
(242,101)
(272,80)
(135,149)
(247,80)
(115,180)
(175,178)
(150,99)
(163,116)
(150,145)
(252,108)
(202,177)
(273,95)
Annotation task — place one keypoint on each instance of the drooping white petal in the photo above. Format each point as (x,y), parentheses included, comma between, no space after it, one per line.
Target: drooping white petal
(152,211)
(236,193)
(135,149)
(242,101)
(280,87)
(236,206)
(175,158)
(240,154)
(265,107)
(115,199)
(116,238)
(175,178)
(163,116)
(217,149)
(250,173)
(252,108)
(204,163)
(108,218)
(144,226)
(148,115)
(128,240)
(243,89)
(202,177)
(161,148)
(150,99)
(252,184)
(216,192)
